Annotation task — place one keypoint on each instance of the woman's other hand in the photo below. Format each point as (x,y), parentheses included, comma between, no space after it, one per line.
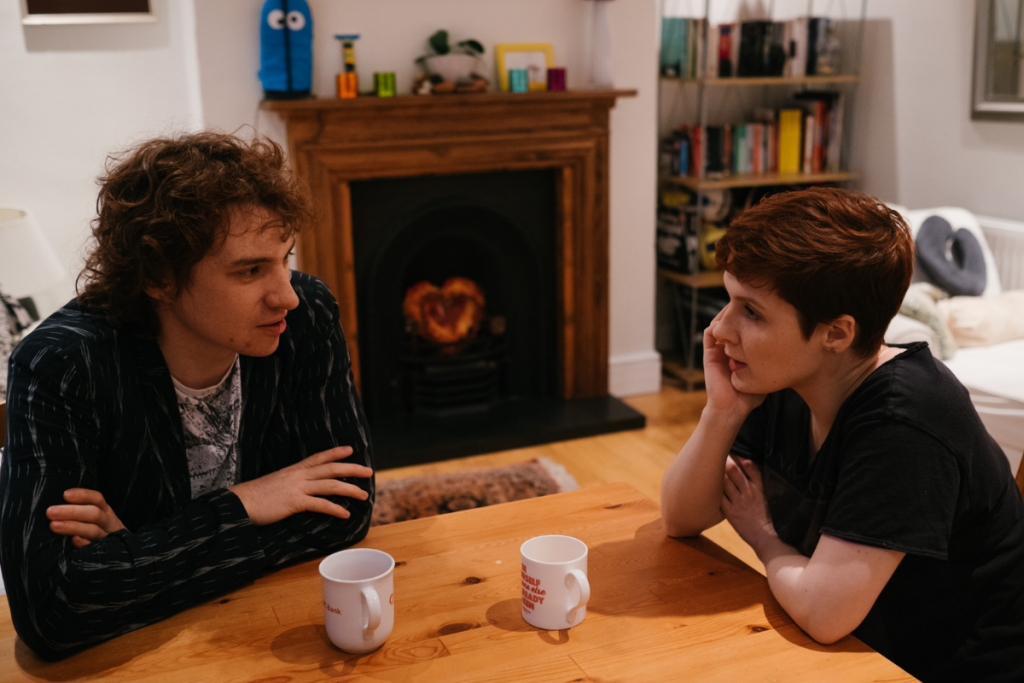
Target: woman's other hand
(744,503)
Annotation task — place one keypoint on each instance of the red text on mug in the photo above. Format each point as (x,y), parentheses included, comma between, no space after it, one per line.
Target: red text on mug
(533,594)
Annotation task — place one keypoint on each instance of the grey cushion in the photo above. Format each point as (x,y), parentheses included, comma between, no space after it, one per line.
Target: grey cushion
(952,260)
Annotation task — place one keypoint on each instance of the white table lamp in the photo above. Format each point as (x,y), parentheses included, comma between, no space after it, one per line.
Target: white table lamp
(28,264)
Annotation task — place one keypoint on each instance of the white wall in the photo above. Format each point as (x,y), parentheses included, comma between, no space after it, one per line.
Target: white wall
(391,40)
(72,94)
(919,146)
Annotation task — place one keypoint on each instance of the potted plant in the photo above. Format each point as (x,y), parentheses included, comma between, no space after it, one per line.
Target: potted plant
(449,62)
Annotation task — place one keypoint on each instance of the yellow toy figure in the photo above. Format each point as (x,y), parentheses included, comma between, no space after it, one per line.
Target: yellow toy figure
(348,79)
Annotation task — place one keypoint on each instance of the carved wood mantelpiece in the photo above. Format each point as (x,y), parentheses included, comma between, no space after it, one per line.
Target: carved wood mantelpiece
(333,142)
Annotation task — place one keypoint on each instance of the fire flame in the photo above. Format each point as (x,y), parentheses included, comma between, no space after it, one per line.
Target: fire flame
(447,314)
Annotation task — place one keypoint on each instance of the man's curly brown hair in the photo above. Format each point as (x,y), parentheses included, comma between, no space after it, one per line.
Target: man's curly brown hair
(165,203)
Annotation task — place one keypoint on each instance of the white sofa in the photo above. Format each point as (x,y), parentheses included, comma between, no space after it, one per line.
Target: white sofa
(993,374)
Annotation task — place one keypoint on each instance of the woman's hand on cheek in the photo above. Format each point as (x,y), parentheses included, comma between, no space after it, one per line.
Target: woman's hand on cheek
(722,396)
(744,503)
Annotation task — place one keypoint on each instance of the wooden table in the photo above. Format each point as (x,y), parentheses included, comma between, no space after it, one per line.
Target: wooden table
(661,610)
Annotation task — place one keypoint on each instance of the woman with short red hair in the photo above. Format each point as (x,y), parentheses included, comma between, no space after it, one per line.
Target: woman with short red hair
(858,472)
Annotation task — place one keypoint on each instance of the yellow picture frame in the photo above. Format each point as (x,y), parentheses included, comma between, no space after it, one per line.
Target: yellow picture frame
(525,56)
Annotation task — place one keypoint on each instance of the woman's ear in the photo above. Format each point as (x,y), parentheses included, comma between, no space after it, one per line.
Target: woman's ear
(840,333)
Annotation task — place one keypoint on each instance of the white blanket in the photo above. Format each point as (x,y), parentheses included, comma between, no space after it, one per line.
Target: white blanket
(995,377)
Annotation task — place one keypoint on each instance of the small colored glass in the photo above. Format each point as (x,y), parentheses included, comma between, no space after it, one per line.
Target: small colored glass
(518,80)
(384,83)
(556,78)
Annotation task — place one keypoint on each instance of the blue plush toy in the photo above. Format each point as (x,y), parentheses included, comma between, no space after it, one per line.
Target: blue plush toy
(286,49)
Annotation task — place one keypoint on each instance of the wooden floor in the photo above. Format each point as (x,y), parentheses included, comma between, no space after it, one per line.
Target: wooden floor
(638,457)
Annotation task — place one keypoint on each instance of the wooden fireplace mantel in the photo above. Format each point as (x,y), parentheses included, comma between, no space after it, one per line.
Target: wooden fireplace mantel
(333,142)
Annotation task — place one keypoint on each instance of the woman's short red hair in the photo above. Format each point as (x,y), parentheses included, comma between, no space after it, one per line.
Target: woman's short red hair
(827,252)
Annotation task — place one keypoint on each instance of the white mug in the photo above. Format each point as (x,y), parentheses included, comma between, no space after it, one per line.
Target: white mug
(555,585)
(359,598)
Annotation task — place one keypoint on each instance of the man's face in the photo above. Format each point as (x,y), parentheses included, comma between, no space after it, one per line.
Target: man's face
(239,295)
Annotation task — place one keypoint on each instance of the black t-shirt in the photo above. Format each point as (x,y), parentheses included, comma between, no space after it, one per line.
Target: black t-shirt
(908,465)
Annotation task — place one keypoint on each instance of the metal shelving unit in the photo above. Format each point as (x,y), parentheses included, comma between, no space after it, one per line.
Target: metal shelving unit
(687,286)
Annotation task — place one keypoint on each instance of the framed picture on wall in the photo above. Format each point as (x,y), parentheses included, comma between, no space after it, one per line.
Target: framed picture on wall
(534,57)
(998,88)
(41,12)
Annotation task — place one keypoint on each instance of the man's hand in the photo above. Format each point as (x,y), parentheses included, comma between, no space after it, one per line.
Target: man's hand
(744,504)
(298,487)
(88,517)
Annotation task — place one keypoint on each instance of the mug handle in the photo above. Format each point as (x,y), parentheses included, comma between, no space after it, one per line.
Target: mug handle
(373,607)
(581,581)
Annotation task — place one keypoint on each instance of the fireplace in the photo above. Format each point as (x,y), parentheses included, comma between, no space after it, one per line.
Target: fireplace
(506,191)
(494,229)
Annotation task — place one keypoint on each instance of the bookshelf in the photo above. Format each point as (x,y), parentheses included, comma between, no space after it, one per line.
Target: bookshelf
(768,80)
(717,108)
(758,180)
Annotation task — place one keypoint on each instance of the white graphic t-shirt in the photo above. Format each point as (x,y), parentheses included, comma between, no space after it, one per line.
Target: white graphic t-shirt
(210,418)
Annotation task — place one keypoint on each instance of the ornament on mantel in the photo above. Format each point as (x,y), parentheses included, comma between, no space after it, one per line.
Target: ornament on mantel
(286,49)
(600,47)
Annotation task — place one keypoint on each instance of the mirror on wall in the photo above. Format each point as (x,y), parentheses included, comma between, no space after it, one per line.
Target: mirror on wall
(998,73)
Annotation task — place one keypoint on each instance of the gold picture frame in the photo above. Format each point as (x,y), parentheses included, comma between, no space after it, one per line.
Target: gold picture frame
(536,58)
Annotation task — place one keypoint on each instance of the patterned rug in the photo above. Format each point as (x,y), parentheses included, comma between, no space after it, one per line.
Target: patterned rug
(414,497)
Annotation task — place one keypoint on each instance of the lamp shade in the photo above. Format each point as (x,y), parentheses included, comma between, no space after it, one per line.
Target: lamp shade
(28,264)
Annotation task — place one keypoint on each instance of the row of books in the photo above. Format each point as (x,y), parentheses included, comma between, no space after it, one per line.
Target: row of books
(805,139)
(806,46)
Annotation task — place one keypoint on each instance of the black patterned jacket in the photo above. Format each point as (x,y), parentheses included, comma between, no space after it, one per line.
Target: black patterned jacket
(89,405)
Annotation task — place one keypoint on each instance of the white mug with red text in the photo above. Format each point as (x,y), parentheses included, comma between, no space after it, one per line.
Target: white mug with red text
(359,598)
(555,585)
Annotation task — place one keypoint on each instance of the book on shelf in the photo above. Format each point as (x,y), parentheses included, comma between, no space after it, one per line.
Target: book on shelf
(827,108)
(775,49)
(675,43)
(790,121)
(809,127)
(752,41)
(796,63)
(835,141)
(711,63)
(691,48)
(725,57)
(806,138)
(696,47)
(819,47)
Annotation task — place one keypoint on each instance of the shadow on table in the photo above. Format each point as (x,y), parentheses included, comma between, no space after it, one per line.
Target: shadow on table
(309,645)
(785,627)
(687,576)
(96,660)
(724,585)
(507,615)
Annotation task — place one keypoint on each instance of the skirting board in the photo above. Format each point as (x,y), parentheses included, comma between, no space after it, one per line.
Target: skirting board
(634,373)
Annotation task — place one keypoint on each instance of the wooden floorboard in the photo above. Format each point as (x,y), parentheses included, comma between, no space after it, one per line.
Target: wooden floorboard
(638,457)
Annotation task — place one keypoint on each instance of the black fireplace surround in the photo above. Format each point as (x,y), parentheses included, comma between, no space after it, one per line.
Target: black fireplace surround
(497,229)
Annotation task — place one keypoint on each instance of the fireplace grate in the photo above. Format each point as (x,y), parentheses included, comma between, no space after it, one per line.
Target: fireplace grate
(442,385)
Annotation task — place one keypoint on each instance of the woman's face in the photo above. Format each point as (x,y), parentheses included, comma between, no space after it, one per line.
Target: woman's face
(760,333)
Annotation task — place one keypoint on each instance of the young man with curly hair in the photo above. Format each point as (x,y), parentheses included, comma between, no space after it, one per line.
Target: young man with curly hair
(189,421)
